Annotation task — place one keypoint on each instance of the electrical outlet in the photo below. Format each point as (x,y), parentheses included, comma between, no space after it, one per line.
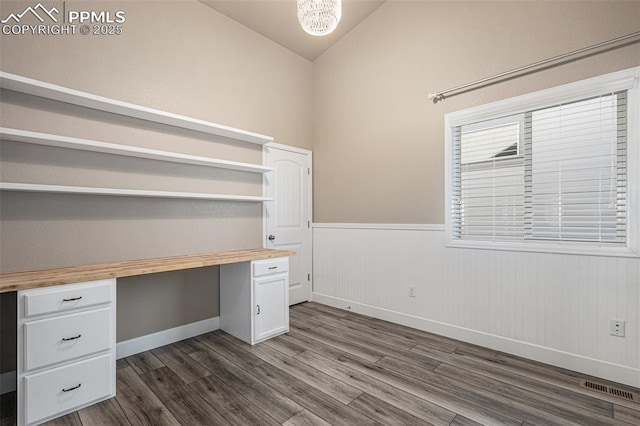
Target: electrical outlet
(412,291)
(616,327)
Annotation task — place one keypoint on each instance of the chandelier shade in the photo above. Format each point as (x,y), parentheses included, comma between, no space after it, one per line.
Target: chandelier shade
(319,17)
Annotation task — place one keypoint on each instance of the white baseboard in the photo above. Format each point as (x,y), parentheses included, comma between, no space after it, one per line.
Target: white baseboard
(7,382)
(598,368)
(165,337)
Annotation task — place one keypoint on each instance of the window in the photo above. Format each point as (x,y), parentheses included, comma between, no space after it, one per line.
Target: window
(554,171)
(489,190)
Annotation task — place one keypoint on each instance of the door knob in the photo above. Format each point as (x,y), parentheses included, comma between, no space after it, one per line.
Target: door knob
(271,237)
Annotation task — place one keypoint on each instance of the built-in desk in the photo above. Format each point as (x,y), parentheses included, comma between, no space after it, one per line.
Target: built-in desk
(15,281)
(66,321)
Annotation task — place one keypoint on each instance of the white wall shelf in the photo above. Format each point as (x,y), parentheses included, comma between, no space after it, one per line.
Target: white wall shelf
(58,93)
(84,190)
(26,136)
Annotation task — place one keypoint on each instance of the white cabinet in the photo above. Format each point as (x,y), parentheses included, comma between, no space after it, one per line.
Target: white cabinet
(272,306)
(55,391)
(59,339)
(254,299)
(66,349)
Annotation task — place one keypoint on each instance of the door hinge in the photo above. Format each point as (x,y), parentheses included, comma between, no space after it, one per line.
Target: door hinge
(308,170)
(308,277)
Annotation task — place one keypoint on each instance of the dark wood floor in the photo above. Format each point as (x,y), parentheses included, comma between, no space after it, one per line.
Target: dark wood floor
(336,367)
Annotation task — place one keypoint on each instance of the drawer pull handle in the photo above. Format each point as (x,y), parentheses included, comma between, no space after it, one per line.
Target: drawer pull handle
(72,299)
(66,339)
(258,306)
(73,388)
(273,267)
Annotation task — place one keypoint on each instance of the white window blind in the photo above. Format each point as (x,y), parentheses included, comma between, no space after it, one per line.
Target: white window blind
(490,204)
(578,171)
(555,174)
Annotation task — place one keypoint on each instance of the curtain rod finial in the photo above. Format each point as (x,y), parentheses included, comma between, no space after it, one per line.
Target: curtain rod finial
(436,97)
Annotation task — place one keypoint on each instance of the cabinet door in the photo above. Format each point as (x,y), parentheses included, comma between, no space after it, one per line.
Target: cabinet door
(271,313)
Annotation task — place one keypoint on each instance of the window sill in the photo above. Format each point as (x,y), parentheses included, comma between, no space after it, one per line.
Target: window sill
(567,248)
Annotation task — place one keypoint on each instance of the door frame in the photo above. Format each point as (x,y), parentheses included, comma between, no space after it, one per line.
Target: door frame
(309,155)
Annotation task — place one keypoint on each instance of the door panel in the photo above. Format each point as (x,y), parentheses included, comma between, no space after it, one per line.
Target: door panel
(271,312)
(288,217)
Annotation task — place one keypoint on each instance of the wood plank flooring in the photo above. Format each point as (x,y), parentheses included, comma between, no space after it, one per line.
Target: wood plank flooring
(336,367)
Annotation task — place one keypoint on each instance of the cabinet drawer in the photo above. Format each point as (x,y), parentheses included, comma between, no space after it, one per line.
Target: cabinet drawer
(270,266)
(66,388)
(67,297)
(63,338)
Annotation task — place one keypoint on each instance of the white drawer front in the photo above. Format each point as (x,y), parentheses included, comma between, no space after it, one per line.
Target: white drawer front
(58,339)
(67,297)
(52,391)
(270,266)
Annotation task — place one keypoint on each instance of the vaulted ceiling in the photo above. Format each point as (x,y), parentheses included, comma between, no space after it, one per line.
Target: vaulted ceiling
(278,21)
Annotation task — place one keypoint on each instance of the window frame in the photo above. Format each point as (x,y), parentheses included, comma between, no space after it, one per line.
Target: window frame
(629,80)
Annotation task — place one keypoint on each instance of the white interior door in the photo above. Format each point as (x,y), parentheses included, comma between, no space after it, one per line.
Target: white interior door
(288,217)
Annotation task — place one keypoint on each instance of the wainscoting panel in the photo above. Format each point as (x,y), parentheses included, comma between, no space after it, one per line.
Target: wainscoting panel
(554,308)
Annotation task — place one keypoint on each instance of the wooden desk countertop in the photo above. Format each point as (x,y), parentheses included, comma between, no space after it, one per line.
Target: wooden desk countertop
(15,281)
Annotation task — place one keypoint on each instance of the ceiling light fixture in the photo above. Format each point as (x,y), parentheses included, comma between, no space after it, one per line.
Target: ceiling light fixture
(319,17)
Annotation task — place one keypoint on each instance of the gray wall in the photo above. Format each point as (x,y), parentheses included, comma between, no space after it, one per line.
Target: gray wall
(379,142)
(177,56)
